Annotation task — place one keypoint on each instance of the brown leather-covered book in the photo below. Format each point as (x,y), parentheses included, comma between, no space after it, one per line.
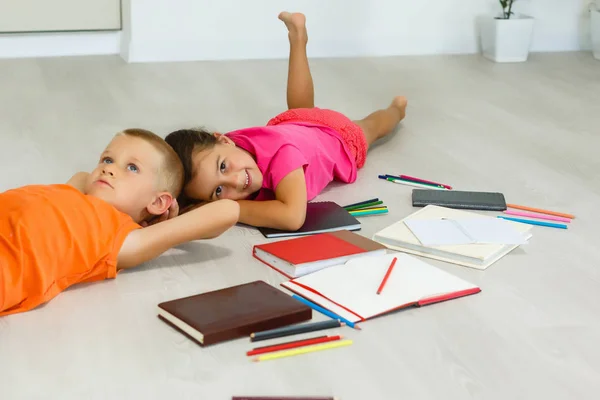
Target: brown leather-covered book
(233,312)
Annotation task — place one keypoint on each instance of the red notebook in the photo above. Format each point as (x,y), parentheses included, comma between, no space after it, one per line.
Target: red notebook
(304,255)
(350,290)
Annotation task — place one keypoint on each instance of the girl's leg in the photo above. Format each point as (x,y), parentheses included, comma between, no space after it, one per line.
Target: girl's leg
(382,122)
(300,90)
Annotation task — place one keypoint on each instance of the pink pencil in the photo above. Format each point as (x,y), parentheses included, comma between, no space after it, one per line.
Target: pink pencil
(534,215)
(412,178)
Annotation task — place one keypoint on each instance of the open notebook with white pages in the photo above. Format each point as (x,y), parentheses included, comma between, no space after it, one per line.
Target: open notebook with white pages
(350,289)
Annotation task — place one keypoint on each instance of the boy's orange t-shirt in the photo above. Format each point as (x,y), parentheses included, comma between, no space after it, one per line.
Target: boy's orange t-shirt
(52,237)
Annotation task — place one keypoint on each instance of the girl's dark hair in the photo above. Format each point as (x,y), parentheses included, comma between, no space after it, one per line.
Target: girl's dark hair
(186,142)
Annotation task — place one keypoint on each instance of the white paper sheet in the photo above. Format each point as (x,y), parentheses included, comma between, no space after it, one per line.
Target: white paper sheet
(439,232)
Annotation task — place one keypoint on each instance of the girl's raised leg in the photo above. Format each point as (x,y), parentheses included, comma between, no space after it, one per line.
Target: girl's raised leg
(300,89)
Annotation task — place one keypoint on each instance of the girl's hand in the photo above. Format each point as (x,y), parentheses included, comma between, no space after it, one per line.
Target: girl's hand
(172,212)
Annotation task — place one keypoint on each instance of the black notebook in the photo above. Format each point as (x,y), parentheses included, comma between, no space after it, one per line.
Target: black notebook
(487,201)
(324,216)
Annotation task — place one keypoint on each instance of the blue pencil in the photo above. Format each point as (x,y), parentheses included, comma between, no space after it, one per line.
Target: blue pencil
(532,222)
(358,213)
(324,311)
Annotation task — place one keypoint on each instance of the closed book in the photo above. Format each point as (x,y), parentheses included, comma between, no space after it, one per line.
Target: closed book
(304,255)
(233,312)
(321,216)
(487,201)
(480,256)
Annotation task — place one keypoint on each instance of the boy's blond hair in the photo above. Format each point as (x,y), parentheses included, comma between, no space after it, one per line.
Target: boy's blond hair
(170,174)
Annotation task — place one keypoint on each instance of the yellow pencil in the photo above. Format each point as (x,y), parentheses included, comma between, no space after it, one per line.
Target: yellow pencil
(303,350)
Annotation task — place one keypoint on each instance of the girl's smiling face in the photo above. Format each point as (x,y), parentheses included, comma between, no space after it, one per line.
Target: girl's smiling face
(224,171)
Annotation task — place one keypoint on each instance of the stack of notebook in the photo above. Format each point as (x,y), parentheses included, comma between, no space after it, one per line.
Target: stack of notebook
(300,256)
(399,236)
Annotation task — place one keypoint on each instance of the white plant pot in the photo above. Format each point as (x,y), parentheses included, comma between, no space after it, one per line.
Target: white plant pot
(596,33)
(506,40)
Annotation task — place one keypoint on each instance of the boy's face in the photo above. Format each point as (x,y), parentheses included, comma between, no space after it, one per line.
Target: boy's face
(223,172)
(127,175)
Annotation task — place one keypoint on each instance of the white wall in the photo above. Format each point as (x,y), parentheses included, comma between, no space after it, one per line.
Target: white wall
(59,44)
(181,30)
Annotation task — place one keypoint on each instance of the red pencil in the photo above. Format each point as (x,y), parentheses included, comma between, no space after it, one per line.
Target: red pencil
(292,345)
(281,398)
(387,275)
(412,178)
(290,342)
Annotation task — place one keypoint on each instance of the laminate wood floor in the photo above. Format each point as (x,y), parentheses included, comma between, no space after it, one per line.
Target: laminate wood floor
(530,130)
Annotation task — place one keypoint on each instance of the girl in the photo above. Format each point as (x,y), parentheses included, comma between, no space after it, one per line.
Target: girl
(272,171)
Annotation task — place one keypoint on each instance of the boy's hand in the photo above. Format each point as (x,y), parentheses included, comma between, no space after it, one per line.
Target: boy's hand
(172,212)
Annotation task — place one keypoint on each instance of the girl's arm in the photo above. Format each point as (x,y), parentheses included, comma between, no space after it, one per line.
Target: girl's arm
(204,222)
(287,212)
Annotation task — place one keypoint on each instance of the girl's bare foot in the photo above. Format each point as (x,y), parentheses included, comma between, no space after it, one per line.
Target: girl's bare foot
(296,25)
(400,103)
(382,122)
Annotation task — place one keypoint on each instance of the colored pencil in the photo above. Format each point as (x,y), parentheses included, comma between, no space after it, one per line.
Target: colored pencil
(408,180)
(387,275)
(370,208)
(535,215)
(375,203)
(395,178)
(303,350)
(412,178)
(539,210)
(361,203)
(325,311)
(365,213)
(294,330)
(281,398)
(293,341)
(532,222)
(419,185)
(293,345)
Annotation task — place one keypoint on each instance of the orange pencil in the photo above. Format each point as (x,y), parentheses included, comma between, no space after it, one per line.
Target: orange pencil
(387,275)
(539,210)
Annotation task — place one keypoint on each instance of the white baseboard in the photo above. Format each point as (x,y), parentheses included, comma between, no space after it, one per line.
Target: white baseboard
(195,50)
(109,43)
(59,44)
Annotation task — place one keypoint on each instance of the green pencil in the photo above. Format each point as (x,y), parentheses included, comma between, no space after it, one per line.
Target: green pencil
(358,207)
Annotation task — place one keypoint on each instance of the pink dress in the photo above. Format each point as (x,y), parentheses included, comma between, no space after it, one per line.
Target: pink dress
(283,148)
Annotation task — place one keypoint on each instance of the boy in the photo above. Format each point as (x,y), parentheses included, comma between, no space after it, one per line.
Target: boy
(55,236)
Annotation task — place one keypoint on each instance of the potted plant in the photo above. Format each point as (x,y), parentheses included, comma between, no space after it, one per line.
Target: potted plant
(595,27)
(506,37)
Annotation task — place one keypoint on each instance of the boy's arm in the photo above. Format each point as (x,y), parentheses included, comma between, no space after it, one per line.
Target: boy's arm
(205,222)
(287,212)
(78,181)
